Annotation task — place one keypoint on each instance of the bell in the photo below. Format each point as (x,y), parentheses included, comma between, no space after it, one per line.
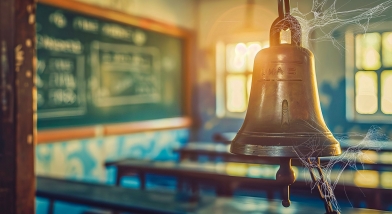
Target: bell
(284,118)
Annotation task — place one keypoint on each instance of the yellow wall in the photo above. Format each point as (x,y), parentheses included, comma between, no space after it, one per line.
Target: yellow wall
(176,12)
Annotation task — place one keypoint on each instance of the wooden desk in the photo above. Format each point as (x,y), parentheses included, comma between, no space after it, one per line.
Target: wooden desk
(251,205)
(131,200)
(227,177)
(192,172)
(213,150)
(116,198)
(193,150)
(227,137)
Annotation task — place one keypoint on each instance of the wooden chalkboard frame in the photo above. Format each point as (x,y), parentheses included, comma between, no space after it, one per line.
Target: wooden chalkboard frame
(100,130)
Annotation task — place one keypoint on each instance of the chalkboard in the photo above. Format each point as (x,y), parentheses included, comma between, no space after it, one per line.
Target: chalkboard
(92,70)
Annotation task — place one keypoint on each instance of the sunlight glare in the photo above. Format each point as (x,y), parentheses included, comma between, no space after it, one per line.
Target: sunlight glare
(236,93)
(366,178)
(366,92)
(386,92)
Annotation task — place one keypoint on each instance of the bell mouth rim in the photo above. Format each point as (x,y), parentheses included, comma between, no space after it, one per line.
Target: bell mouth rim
(299,151)
(280,134)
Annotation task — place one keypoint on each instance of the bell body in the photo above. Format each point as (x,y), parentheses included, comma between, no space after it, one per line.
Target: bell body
(284,118)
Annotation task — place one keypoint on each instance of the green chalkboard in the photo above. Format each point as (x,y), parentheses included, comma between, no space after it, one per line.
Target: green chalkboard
(92,70)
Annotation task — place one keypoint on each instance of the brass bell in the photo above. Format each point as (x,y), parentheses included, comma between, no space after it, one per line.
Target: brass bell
(284,118)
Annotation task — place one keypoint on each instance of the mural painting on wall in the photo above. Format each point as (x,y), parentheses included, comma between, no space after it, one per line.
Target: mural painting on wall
(85,159)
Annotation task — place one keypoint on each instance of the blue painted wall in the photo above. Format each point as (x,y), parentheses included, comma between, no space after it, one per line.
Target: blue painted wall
(84,159)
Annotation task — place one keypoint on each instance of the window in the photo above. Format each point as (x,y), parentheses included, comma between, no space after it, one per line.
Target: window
(234,65)
(369,76)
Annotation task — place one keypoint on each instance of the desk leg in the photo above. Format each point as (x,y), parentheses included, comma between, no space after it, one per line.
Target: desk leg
(356,202)
(51,206)
(119,176)
(182,157)
(195,192)
(226,190)
(270,195)
(142,177)
(195,188)
(180,184)
(375,201)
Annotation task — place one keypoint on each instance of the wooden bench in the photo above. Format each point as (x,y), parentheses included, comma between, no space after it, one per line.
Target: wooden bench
(116,198)
(345,143)
(139,201)
(251,205)
(227,177)
(219,151)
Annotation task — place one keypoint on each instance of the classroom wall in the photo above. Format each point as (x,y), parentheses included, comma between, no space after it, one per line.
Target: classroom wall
(214,20)
(176,12)
(219,18)
(83,159)
(330,66)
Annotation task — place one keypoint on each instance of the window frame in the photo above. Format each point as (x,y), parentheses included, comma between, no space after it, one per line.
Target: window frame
(350,64)
(221,72)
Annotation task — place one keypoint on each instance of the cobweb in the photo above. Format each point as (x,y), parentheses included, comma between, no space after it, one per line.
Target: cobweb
(326,18)
(352,157)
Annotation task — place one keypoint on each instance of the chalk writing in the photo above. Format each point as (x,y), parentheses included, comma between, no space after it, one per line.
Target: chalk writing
(139,61)
(55,44)
(124,74)
(61,64)
(61,97)
(116,31)
(60,84)
(86,25)
(139,37)
(66,80)
(58,19)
